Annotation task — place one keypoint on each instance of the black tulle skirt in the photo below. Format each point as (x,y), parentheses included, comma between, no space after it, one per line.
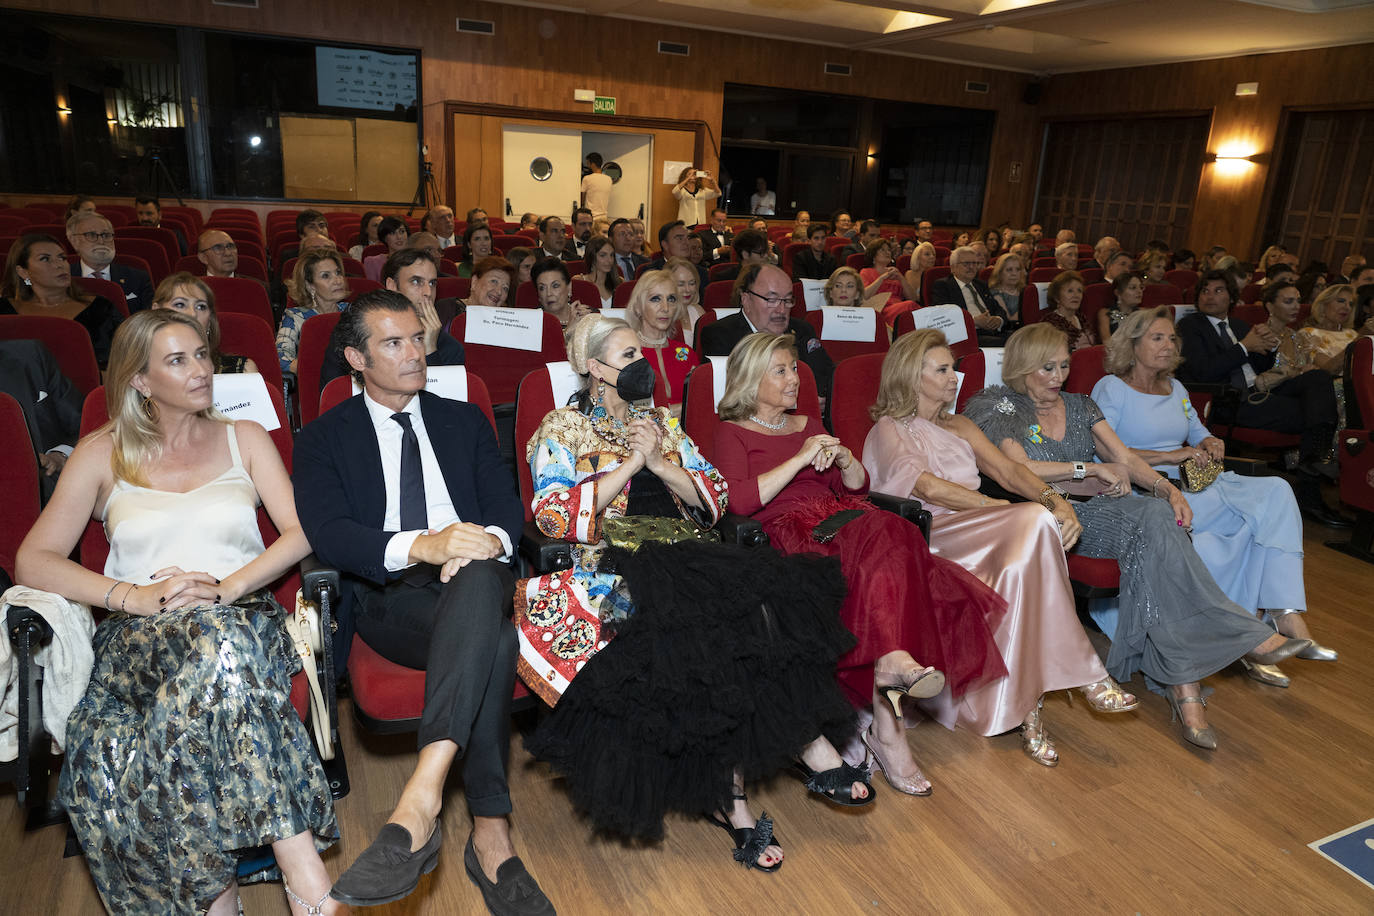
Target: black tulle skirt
(728,662)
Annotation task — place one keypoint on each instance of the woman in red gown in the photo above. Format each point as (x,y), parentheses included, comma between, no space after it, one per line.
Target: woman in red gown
(903,604)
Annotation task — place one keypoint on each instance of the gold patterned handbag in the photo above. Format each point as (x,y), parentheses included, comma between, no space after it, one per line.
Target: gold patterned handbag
(632,530)
(1198,477)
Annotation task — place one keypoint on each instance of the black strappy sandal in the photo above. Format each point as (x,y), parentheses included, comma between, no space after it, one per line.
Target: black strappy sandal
(837,785)
(750,842)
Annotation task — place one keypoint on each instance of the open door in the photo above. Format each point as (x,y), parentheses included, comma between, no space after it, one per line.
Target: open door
(541,170)
(628,160)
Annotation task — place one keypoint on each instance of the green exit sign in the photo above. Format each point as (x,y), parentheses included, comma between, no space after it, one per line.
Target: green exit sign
(604,104)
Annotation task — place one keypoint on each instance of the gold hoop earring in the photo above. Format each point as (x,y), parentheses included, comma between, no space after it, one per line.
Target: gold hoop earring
(149,408)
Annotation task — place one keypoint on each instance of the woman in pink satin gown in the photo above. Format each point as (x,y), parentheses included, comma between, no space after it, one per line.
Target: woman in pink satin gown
(917,447)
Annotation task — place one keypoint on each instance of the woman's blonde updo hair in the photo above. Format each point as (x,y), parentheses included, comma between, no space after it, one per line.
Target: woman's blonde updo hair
(1027,350)
(133,418)
(899,389)
(1318,316)
(645,286)
(744,371)
(1120,358)
(843,272)
(587,340)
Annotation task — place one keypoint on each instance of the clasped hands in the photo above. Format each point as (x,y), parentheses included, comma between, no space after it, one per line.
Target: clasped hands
(821,451)
(645,439)
(455,547)
(172,588)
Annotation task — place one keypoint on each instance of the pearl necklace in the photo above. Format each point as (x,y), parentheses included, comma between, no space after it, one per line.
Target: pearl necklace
(653,343)
(766,425)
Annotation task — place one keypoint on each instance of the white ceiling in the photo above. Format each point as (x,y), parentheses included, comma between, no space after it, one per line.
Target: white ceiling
(1032,36)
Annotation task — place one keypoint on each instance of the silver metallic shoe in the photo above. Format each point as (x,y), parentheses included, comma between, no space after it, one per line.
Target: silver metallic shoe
(1266,674)
(1316,652)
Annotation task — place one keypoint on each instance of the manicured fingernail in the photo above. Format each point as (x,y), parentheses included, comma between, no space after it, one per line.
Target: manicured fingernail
(162,601)
(217,599)
(1180,523)
(217,582)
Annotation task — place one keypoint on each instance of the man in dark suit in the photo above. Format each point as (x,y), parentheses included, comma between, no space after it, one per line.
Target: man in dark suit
(148,212)
(92,236)
(576,249)
(869,232)
(627,260)
(815,263)
(716,239)
(412,272)
(763,295)
(672,243)
(963,288)
(406,493)
(52,406)
(553,241)
(1220,349)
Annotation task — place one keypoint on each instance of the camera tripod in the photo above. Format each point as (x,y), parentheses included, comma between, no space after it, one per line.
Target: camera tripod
(158,177)
(426,192)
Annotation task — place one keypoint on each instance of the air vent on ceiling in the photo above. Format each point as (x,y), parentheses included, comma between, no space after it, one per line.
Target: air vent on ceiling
(675,48)
(477,26)
(975,86)
(833,69)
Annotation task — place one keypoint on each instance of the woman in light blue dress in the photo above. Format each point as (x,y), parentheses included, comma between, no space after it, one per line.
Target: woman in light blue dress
(1247,530)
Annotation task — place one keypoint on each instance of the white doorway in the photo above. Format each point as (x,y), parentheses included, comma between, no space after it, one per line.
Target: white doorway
(632,156)
(541,170)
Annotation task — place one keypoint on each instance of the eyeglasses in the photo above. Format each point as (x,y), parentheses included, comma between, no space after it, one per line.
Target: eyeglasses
(222,248)
(787,301)
(97,236)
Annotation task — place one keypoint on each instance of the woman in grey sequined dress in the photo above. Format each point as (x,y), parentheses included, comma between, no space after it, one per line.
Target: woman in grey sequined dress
(1176,624)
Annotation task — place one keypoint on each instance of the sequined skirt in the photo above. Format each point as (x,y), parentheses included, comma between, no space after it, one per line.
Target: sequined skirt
(185,752)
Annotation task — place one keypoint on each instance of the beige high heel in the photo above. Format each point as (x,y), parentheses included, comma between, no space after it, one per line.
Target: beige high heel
(1202,737)
(1035,740)
(919,684)
(1107,696)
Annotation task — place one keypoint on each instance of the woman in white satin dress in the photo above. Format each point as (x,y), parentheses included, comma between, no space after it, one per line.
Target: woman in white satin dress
(918,448)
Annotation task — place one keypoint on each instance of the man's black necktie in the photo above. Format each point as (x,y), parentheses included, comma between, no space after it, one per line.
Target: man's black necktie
(414,509)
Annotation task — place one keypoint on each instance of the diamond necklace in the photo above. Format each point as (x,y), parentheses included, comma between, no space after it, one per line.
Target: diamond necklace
(766,425)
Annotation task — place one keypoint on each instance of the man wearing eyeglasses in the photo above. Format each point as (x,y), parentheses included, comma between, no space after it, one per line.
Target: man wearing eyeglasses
(220,255)
(93,238)
(763,294)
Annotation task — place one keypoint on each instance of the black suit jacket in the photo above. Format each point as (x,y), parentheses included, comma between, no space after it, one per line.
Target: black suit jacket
(805,266)
(635,260)
(1206,358)
(720,337)
(52,406)
(138,288)
(709,243)
(341,491)
(946,291)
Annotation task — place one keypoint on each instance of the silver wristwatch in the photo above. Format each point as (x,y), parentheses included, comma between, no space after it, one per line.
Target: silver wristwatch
(1080,470)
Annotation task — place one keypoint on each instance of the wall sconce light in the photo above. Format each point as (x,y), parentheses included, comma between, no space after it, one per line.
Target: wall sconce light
(63,109)
(1230,161)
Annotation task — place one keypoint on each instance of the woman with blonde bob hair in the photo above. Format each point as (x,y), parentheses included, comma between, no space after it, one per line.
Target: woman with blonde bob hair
(186,293)
(751,636)
(903,604)
(165,790)
(1176,624)
(656,311)
(318,287)
(1247,530)
(1330,329)
(918,448)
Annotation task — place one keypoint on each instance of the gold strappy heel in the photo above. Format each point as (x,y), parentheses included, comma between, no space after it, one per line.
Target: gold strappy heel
(1035,740)
(1107,696)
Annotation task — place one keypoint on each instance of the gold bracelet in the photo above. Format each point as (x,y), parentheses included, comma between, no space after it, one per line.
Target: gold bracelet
(1046,497)
(1154,490)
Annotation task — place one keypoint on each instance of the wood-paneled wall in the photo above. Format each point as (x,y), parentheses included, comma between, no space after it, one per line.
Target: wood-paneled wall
(1230,206)
(520,66)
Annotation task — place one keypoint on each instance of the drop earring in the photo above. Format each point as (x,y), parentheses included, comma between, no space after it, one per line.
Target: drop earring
(599,401)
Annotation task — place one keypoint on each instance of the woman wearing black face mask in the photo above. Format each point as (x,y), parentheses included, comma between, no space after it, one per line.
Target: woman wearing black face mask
(679,670)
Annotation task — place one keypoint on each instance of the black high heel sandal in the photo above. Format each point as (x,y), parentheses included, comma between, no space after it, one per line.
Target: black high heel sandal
(750,842)
(837,785)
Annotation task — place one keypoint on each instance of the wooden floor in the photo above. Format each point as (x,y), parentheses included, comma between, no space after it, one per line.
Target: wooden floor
(1132,820)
